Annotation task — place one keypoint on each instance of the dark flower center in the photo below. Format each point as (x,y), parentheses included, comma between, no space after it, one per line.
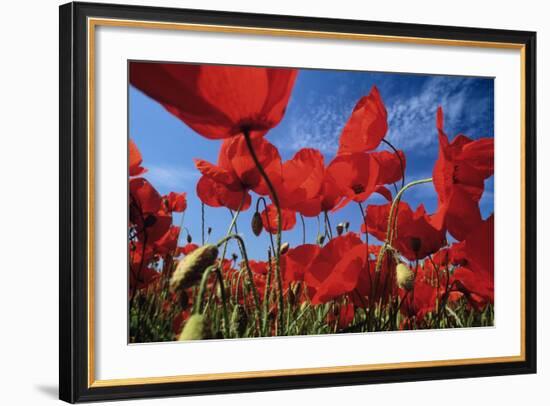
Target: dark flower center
(416,244)
(358,189)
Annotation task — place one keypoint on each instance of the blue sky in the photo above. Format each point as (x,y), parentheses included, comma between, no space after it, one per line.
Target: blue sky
(319,107)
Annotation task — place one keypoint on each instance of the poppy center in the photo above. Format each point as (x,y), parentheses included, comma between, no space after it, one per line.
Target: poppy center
(358,188)
(416,244)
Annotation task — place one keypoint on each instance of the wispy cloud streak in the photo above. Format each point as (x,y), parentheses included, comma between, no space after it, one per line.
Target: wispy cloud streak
(412,119)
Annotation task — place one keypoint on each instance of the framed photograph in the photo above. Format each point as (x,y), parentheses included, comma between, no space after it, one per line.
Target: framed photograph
(255,202)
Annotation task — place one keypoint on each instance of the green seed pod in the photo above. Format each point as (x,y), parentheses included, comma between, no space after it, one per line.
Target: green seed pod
(194,329)
(190,269)
(239,320)
(405,277)
(257,224)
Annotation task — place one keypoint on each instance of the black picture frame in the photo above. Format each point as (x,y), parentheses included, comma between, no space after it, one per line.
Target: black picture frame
(73,284)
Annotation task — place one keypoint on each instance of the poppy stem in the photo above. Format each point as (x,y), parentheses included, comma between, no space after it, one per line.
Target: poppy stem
(219,274)
(202,222)
(389,144)
(275,198)
(262,199)
(197,306)
(248,271)
(267,295)
(392,221)
(303,229)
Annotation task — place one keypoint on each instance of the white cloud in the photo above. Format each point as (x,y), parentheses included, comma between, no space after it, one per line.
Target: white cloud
(171,177)
(412,119)
(319,123)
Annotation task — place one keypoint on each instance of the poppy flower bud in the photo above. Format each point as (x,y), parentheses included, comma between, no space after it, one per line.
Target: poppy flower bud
(257,224)
(190,269)
(340,228)
(320,239)
(284,248)
(189,238)
(405,277)
(209,230)
(194,329)
(346,225)
(239,320)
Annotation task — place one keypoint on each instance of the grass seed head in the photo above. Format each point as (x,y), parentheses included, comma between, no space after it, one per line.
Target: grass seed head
(190,269)
(405,277)
(194,329)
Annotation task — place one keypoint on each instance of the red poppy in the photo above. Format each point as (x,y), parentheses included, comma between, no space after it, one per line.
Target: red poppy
(308,187)
(176,202)
(296,261)
(141,274)
(186,249)
(336,269)
(258,267)
(356,176)
(217,101)
(458,177)
(228,183)
(366,126)
(135,160)
(384,192)
(392,166)
(146,213)
(477,276)
(303,177)
(168,242)
(415,237)
(421,300)
(270,219)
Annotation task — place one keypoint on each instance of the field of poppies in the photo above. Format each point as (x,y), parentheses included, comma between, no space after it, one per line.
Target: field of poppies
(398,268)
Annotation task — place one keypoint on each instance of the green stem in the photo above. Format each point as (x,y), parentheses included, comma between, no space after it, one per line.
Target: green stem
(248,270)
(267,294)
(197,306)
(303,229)
(275,198)
(392,221)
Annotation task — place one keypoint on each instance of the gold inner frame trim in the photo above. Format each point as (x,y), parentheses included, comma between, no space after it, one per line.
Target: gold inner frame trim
(94,22)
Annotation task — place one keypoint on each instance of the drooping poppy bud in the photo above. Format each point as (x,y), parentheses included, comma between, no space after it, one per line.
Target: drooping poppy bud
(284,248)
(209,230)
(190,269)
(194,329)
(346,225)
(239,320)
(405,277)
(320,239)
(189,238)
(340,228)
(257,224)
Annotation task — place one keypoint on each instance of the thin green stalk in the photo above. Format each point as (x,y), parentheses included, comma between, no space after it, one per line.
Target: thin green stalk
(392,220)
(277,252)
(248,270)
(303,229)
(197,306)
